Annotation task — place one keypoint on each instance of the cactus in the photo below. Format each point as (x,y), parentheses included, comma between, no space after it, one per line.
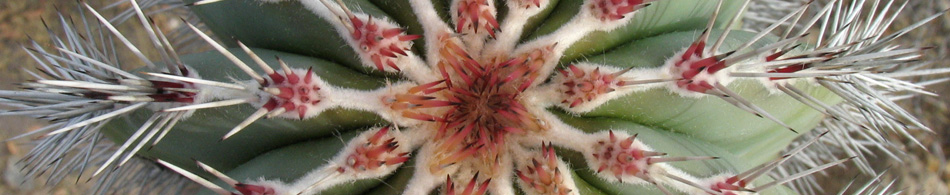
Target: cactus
(474,96)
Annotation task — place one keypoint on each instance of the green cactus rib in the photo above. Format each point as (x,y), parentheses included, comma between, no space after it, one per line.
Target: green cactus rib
(288,26)
(199,136)
(293,161)
(710,118)
(676,144)
(290,162)
(285,26)
(660,18)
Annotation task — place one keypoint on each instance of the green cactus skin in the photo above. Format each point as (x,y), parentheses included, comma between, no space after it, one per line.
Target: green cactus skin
(606,96)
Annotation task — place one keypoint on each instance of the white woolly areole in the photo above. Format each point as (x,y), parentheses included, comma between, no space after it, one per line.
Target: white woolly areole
(313,100)
(519,11)
(329,175)
(631,76)
(409,64)
(476,35)
(669,70)
(656,172)
(721,177)
(578,27)
(752,65)
(204,94)
(591,19)
(523,161)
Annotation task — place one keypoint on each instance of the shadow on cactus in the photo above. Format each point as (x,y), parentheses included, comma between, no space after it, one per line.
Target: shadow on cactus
(474,97)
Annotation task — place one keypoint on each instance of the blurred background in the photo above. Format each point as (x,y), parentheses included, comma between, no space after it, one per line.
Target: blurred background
(924,171)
